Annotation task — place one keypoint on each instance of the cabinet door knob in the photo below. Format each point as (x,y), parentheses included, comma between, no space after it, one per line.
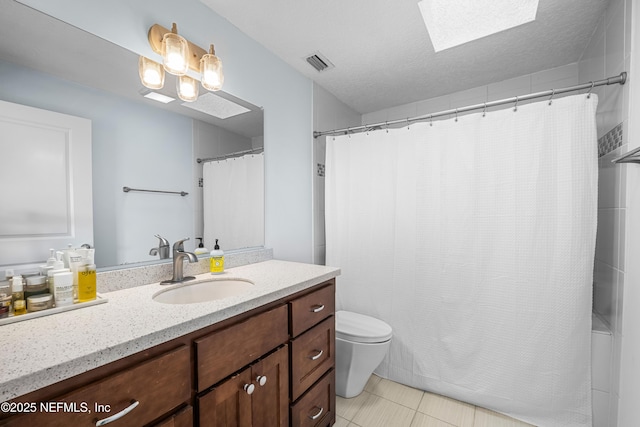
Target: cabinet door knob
(317,308)
(249,388)
(317,356)
(317,415)
(117,416)
(261,380)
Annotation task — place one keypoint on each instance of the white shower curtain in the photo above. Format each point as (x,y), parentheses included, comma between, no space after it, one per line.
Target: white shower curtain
(474,239)
(233,202)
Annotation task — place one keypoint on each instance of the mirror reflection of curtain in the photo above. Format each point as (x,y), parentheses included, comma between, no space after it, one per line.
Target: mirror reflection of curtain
(233,202)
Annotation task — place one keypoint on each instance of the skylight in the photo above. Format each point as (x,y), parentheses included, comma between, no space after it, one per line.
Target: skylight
(452,23)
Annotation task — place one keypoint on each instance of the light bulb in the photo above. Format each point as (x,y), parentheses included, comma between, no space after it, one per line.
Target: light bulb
(187,88)
(211,70)
(175,53)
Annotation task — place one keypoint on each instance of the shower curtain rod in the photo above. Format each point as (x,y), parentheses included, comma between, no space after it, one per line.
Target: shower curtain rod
(620,79)
(228,156)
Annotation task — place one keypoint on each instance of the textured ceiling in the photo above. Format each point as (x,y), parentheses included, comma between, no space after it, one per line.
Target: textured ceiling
(382,52)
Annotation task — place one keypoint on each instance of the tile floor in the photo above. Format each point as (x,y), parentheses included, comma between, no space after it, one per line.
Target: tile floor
(384,403)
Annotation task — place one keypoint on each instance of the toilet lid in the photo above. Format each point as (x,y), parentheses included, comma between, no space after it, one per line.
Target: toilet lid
(360,328)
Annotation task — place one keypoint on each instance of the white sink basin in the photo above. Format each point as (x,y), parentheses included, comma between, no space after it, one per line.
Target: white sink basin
(203,290)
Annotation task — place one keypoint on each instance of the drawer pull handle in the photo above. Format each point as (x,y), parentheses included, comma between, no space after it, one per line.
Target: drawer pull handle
(261,379)
(119,415)
(317,308)
(317,356)
(249,388)
(316,416)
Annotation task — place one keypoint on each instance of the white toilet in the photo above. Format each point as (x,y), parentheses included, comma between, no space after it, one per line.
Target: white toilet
(361,344)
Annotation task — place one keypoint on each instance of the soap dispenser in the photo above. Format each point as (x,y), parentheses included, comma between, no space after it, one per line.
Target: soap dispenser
(216,261)
(201,250)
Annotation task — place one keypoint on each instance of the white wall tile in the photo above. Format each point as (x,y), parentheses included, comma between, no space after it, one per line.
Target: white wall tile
(601,350)
(600,409)
(604,291)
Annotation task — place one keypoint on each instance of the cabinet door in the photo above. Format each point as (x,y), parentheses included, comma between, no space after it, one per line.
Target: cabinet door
(228,404)
(270,402)
(182,418)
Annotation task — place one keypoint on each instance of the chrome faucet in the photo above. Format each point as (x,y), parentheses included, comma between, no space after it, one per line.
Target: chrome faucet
(178,257)
(162,249)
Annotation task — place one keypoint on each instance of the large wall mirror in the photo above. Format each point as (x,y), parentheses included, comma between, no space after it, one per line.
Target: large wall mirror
(136,142)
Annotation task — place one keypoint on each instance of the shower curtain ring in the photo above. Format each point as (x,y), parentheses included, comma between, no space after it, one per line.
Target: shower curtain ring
(589,94)
(484,110)
(456,114)
(553,92)
(349,132)
(515,107)
(386,126)
(407,123)
(431,120)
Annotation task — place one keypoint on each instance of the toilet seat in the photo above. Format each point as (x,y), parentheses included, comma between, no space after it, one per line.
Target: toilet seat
(360,328)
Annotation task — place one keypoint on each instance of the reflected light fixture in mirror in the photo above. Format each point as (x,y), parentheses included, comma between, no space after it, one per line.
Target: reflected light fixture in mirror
(175,53)
(151,73)
(211,70)
(187,88)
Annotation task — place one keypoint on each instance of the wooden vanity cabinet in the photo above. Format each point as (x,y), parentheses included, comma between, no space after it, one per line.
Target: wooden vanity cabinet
(283,351)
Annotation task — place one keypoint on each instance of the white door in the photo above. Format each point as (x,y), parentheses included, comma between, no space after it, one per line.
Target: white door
(45,183)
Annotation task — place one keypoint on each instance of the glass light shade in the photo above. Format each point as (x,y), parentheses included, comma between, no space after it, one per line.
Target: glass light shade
(211,69)
(187,88)
(175,54)
(151,73)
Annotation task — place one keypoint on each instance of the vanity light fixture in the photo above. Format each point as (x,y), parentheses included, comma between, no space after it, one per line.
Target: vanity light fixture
(179,57)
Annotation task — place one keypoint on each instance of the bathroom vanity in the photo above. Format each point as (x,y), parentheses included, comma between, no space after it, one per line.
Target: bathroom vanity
(262,358)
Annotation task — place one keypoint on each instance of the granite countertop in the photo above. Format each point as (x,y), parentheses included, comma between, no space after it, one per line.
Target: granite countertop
(42,351)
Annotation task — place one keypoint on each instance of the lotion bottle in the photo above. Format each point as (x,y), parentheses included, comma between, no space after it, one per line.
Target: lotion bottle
(216,262)
(63,288)
(201,250)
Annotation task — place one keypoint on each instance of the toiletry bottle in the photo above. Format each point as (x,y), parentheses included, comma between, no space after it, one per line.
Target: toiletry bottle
(17,291)
(63,288)
(19,307)
(58,265)
(44,269)
(201,250)
(87,280)
(216,262)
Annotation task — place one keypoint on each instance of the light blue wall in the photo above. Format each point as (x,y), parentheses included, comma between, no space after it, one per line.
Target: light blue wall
(251,73)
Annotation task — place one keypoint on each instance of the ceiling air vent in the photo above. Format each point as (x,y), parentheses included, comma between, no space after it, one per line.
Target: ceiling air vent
(319,62)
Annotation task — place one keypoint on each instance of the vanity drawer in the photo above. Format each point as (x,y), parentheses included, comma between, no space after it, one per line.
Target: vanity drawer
(317,407)
(310,309)
(224,352)
(159,386)
(312,354)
